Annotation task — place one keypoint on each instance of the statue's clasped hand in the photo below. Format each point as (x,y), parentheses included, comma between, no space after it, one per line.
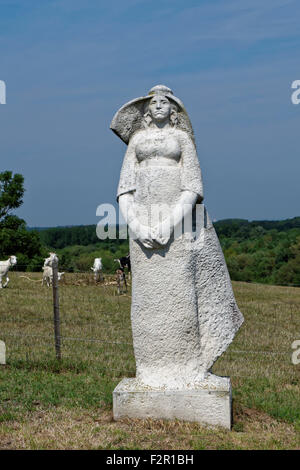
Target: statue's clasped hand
(161,233)
(145,236)
(153,237)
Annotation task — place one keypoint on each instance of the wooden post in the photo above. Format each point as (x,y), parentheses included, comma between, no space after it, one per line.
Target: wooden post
(2,353)
(56,307)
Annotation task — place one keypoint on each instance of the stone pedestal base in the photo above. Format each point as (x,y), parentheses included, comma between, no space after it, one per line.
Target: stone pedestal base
(206,404)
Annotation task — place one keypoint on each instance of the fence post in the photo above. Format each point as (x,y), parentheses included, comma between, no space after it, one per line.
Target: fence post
(2,353)
(56,306)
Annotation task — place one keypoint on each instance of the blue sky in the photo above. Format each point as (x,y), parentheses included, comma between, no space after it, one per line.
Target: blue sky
(70,64)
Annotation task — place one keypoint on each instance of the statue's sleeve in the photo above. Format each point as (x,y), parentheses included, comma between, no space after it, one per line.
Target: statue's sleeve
(127,177)
(191,176)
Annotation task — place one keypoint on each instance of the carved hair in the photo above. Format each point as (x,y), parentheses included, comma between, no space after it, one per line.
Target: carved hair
(147,119)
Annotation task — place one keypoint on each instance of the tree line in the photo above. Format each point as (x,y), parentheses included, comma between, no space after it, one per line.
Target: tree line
(257,251)
(262,251)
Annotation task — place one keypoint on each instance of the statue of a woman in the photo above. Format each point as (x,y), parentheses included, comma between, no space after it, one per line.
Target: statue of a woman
(183,312)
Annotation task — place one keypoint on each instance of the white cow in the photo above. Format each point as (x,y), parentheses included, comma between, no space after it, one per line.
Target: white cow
(48,261)
(97,269)
(4,268)
(48,275)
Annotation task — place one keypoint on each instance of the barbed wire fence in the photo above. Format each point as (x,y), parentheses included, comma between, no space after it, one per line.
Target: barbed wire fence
(82,320)
(84,323)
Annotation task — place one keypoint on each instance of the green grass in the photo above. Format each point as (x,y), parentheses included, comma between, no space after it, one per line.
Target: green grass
(74,394)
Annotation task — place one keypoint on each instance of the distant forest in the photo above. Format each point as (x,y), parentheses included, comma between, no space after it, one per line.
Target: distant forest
(258,251)
(262,251)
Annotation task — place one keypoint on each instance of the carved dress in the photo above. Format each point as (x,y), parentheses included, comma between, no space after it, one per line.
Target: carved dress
(183,312)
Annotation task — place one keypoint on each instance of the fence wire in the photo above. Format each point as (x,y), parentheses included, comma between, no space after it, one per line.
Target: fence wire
(95,329)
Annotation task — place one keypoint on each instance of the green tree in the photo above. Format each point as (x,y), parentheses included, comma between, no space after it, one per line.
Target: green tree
(14,238)
(11,193)
(289,273)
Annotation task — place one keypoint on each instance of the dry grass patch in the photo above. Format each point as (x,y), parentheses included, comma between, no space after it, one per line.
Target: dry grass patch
(45,404)
(82,429)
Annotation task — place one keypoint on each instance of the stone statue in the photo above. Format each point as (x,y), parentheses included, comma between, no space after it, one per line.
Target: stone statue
(183,313)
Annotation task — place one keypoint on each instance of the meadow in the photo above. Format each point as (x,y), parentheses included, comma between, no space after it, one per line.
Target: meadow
(67,404)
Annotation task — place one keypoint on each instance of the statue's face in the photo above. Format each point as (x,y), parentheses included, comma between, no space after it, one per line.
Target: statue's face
(160,108)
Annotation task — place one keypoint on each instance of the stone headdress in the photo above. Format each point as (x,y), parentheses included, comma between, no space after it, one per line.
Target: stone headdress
(130,116)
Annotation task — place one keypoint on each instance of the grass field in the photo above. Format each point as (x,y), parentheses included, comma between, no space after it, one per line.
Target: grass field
(46,404)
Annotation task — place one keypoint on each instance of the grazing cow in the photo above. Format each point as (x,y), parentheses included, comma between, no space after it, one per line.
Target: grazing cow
(48,261)
(48,275)
(124,262)
(97,269)
(4,268)
(121,281)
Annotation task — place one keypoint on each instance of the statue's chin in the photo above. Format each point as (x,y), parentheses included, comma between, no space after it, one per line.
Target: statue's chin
(160,120)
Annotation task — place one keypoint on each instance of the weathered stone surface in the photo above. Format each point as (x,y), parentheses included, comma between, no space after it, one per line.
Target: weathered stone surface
(2,353)
(183,312)
(208,405)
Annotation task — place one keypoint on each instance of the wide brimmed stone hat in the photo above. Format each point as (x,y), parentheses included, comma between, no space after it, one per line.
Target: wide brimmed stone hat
(129,118)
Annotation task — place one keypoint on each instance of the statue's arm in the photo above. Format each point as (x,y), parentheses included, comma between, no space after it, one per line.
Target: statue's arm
(138,231)
(127,208)
(191,179)
(185,205)
(191,175)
